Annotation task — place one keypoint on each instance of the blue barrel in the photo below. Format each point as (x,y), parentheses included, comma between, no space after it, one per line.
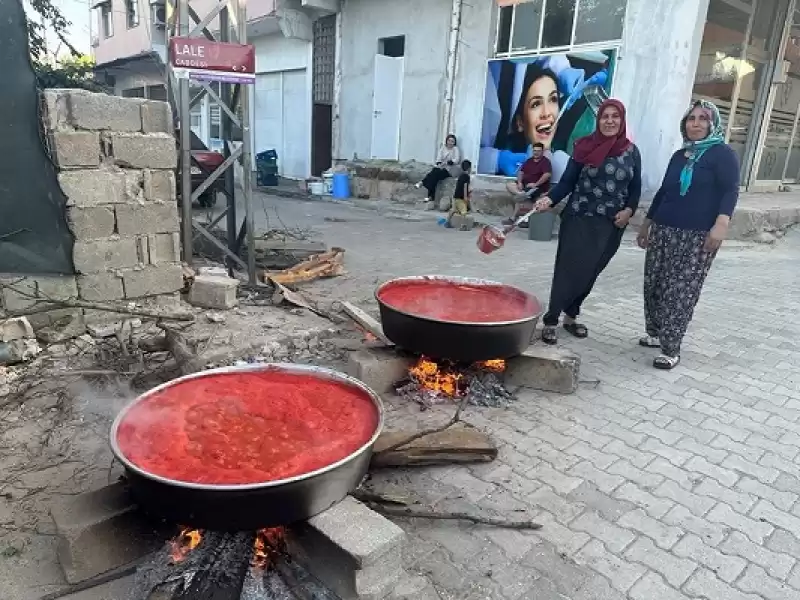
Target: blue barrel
(341,185)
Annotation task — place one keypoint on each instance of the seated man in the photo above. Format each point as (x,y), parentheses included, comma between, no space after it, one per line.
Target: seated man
(533,180)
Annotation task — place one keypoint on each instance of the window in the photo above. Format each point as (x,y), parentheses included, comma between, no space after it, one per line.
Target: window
(537,25)
(392,46)
(137,92)
(132,13)
(106,19)
(157,92)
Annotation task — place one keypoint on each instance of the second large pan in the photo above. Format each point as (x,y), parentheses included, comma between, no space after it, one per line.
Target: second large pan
(426,332)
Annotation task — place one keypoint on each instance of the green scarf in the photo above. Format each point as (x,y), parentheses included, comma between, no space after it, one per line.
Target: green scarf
(695,150)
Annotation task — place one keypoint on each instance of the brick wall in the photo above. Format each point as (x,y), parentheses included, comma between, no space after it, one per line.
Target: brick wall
(116,159)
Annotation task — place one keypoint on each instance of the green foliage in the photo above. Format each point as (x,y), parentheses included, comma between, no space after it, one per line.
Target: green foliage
(73,71)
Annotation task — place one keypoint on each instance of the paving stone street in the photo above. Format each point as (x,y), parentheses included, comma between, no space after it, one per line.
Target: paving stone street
(650,485)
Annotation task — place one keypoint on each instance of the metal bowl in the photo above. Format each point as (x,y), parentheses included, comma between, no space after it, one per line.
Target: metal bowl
(457,340)
(251,506)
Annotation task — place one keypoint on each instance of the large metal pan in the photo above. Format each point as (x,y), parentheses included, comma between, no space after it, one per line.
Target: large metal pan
(453,340)
(252,506)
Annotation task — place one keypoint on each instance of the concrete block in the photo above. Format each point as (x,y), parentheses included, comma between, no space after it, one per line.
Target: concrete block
(55,318)
(101,530)
(56,110)
(93,187)
(103,112)
(91,223)
(152,217)
(160,185)
(164,248)
(152,281)
(351,549)
(379,368)
(76,149)
(61,327)
(156,117)
(545,369)
(209,291)
(17,328)
(100,287)
(134,185)
(462,222)
(101,255)
(151,151)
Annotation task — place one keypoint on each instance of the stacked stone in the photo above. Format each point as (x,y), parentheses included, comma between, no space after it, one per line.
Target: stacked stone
(116,159)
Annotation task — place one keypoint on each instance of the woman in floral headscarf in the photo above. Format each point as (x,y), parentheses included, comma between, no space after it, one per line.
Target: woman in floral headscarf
(685,226)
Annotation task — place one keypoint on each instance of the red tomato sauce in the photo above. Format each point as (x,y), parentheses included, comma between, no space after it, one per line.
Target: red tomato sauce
(466,303)
(240,428)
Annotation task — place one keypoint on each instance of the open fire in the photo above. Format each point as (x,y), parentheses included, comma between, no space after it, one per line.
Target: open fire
(432,382)
(269,545)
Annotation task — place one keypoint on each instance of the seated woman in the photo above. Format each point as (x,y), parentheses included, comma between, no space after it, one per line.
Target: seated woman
(533,181)
(449,155)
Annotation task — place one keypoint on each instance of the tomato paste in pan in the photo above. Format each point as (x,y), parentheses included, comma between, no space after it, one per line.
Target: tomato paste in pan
(247,427)
(466,303)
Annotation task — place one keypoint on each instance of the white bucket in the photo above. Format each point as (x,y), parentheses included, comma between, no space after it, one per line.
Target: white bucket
(327,183)
(317,188)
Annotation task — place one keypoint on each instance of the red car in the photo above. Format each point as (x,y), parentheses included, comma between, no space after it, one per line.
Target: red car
(204,162)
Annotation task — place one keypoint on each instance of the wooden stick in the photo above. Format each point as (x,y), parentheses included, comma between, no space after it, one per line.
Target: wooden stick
(135,312)
(96,581)
(366,321)
(413,513)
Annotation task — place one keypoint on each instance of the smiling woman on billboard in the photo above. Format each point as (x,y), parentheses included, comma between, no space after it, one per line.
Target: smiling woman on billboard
(550,100)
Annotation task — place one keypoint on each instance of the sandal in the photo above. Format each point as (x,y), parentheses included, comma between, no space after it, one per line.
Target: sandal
(666,363)
(650,341)
(577,329)
(549,335)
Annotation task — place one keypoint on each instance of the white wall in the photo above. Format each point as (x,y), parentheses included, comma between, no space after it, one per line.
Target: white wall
(276,54)
(476,42)
(655,75)
(425,23)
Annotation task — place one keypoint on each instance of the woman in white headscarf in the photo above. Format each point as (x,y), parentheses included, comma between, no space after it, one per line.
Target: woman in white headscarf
(449,156)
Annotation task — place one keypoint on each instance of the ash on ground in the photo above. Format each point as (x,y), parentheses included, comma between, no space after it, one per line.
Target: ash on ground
(483,388)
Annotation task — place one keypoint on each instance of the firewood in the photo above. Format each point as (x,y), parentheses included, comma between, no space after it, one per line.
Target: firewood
(366,321)
(215,570)
(187,361)
(456,444)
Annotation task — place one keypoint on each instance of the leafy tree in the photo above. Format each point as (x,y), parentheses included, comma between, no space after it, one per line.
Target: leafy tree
(73,71)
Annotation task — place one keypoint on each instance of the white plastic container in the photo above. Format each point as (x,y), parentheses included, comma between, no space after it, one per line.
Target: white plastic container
(327,183)
(317,188)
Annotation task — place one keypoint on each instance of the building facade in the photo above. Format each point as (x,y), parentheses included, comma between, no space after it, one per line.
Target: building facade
(129,46)
(502,74)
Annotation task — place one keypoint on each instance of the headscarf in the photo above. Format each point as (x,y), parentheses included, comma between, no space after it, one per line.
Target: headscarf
(593,149)
(695,150)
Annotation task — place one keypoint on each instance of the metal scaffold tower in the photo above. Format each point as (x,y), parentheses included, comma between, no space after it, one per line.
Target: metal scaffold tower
(200,53)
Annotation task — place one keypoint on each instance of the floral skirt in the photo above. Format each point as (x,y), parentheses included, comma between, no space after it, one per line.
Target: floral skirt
(675,270)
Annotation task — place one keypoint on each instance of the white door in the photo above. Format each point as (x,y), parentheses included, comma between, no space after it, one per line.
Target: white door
(281,120)
(386,107)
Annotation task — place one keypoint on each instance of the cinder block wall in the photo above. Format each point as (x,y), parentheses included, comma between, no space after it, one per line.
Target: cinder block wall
(116,159)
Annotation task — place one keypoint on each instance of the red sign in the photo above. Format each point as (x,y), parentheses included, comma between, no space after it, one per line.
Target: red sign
(203,54)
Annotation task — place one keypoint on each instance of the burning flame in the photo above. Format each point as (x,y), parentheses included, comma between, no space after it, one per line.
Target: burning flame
(269,544)
(445,379)
(186,541)
(496,365)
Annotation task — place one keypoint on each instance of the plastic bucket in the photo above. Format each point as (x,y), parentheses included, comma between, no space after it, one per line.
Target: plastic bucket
(317,188)
(540,226)
(341,185)
(327,183)
(490,239)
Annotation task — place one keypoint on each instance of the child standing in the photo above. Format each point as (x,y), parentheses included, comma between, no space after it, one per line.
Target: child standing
(462,194)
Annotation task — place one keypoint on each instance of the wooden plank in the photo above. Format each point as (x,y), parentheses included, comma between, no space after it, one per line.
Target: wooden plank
(366,321)
(457,444)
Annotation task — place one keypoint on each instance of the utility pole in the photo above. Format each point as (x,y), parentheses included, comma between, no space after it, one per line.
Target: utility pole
(233,77)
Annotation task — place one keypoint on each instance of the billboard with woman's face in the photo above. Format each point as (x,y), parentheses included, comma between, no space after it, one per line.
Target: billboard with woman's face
(552,100)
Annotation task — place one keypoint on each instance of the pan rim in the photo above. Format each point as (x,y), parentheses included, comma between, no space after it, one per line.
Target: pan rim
(462,280)
(324,372)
